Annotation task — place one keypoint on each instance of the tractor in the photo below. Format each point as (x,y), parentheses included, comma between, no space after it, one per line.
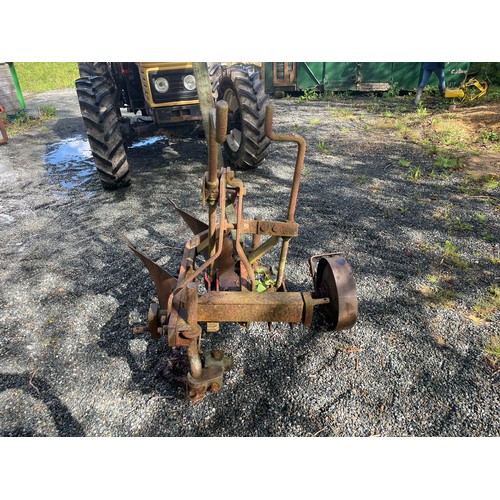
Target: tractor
(123,101)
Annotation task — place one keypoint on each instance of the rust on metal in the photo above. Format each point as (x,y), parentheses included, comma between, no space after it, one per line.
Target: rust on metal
(162,279)
(232,284)
(209,380)
(335,280)
(299,162)
(251,307)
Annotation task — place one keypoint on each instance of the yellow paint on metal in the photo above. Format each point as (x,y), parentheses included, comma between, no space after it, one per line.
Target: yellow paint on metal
(465,93)
(454,93)
(148,67)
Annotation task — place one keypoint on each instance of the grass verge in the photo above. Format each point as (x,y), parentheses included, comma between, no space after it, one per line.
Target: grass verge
(35,77)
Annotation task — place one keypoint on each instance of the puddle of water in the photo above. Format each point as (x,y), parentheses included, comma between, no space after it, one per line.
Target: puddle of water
(71,162)
(147,141)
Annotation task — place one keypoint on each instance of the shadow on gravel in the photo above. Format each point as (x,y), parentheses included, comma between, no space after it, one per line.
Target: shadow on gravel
(65,423)
(68,126)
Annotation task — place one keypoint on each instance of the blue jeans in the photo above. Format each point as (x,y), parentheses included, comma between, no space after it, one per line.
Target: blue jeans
(427,74)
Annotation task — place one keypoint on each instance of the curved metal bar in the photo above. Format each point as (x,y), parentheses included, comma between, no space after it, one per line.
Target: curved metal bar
(299,163)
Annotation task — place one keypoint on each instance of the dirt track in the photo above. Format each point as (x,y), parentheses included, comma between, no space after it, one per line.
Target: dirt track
(413,365)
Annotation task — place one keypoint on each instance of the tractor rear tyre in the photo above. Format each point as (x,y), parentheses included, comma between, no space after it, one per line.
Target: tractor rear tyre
(98,104)
(246,144)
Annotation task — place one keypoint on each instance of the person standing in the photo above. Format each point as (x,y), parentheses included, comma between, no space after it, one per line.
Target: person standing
(431,67)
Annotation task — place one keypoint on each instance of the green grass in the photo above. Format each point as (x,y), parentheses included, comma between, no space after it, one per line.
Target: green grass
(489,136)
(491,182)
(43,76)
(482,185)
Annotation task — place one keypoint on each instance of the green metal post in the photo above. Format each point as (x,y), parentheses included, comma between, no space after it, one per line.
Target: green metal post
(17,86)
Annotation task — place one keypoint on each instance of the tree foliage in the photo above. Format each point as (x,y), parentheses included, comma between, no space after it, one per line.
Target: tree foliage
(489,71)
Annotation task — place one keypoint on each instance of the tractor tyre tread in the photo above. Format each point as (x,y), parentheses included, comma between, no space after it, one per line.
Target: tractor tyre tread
(97,99)
(246,84)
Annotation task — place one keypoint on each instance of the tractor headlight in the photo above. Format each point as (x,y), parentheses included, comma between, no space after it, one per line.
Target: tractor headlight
(189,82)
(161,84)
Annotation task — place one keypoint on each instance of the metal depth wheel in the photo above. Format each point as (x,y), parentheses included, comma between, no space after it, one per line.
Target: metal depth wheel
(246,143)
(334,279)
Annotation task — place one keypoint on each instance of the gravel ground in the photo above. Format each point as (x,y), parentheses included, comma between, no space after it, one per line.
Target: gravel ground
(71,290)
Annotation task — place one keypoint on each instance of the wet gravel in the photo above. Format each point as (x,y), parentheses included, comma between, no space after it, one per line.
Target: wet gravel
(71,291)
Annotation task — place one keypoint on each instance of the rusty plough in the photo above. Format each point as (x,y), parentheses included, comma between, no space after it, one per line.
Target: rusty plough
(232,285)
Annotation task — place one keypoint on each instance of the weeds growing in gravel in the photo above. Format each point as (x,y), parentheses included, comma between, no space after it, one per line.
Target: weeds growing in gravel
(492,351)
(450,254)
(457,224)
(487,236)
(438,290)
(307,96)
(421,110)
(487,307)
(394,90)
(448,134)
(23,121)
(323,147)
(442,213)
(491,182)
(440,131)
(360,179)
(477,186)
(344,114)
(415,173)
(375,106)
(447,163)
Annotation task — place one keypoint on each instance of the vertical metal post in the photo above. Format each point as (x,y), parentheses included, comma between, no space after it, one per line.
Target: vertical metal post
(204,89)
(17,86)
(216,136)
